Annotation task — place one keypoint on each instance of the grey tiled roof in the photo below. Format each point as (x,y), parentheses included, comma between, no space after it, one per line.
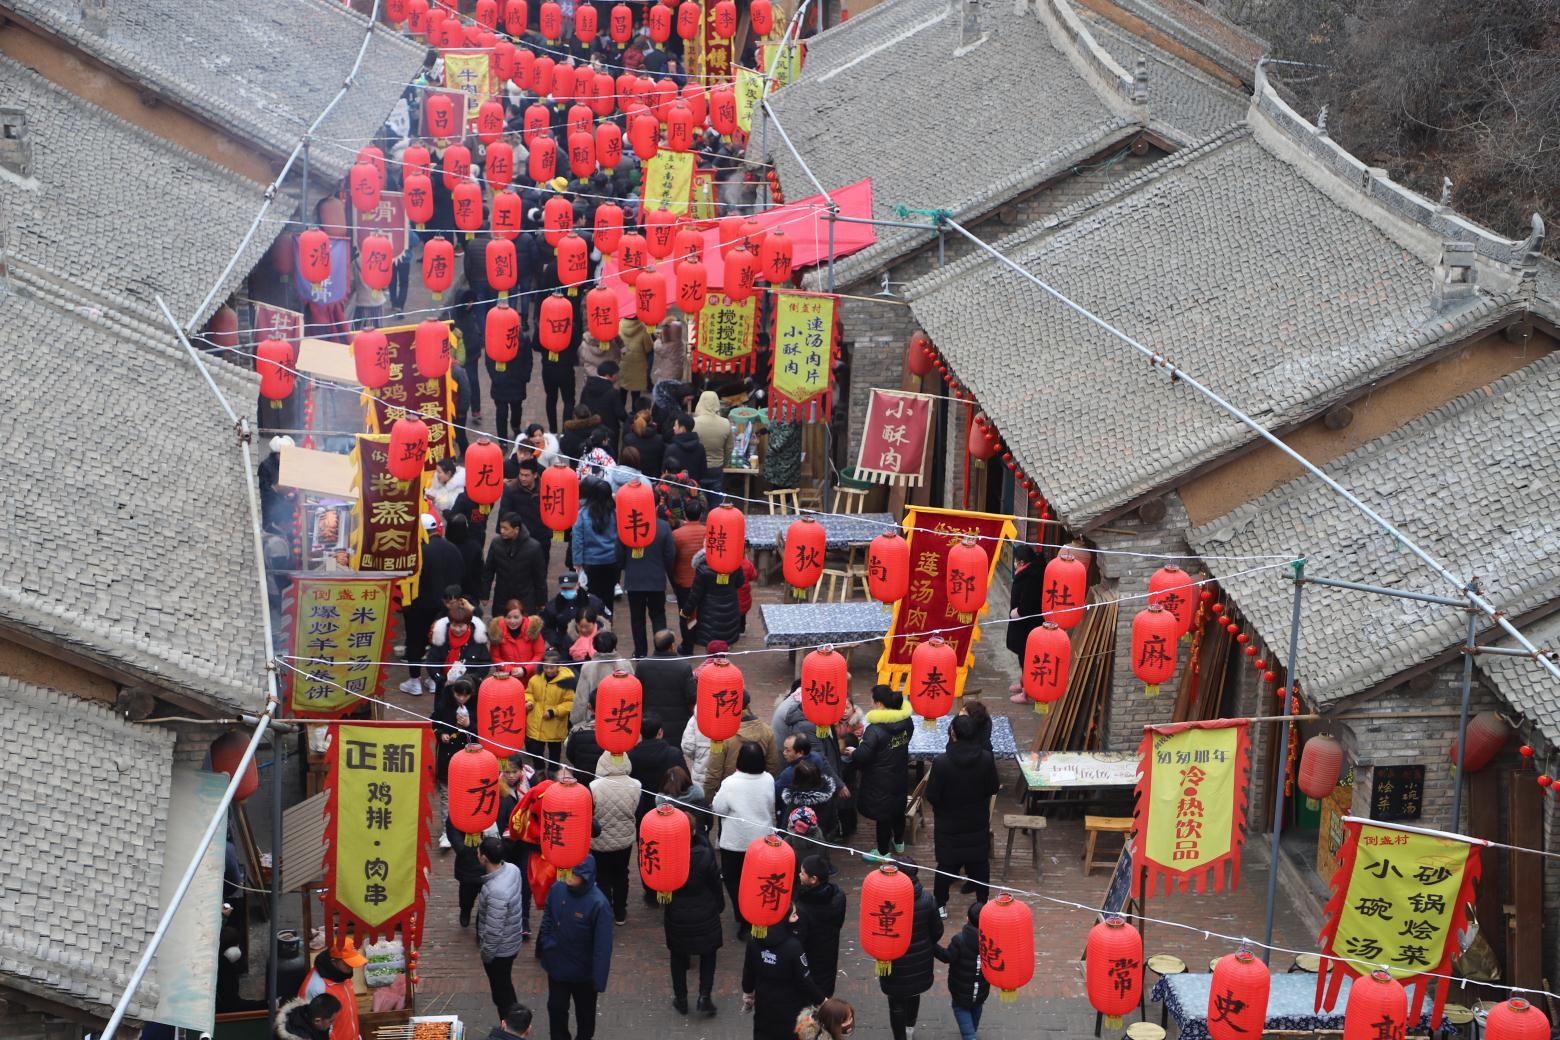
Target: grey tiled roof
(1225,258)
(1470,482)
(264,69)
(116,213)
(1188,103)
(1523,684)
(77,906)
(125,535)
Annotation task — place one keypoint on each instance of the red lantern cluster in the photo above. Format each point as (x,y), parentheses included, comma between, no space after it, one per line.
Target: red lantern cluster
(664,842)
(934,670)
(768,877)
(825,688)
(1155,632)
(501,714)
(887,912)
(1007,945)
(888,567)
(1113,967)
(620,705)
(566,814)
(473,791)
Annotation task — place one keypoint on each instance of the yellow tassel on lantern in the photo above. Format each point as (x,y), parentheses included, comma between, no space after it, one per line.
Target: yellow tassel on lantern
(717,747)
(499,366)
(1007,996)
(723,579)
(823,731)
(474,839)
(1042,708)
(557,536)
(759,930)
(1113,1021)
(663,898)
(638,554)
(1151,690)
(565,874)
(928,724)
(883,967)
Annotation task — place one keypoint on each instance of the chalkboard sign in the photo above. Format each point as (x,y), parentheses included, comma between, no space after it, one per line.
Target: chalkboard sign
(1117,896)
(1397,793)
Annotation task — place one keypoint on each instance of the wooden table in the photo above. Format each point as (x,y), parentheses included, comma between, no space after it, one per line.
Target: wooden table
(747,473)
(1109,773)
(766,533)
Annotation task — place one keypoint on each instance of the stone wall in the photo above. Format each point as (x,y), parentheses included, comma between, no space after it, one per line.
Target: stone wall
(19,1023)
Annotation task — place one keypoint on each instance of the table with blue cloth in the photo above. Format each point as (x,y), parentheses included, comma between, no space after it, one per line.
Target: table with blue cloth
(797,625)
(927,743)
(840,530)
(1291,1004)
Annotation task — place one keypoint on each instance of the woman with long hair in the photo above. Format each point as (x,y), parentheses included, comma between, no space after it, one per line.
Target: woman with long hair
(595,542)
(516,640)
(831,1020)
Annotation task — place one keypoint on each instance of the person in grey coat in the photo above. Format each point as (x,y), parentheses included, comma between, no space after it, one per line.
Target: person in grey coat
(499,915)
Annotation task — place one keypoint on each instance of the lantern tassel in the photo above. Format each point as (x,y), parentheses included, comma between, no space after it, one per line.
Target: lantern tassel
(1042,708)
(717,747)
(557,536)
(1151,690)
(1113,1021)
(663,898)
(1007,996)
(928,724)
(723,579)
(638,554)
(822,731)
(565,874)
(499,366)
(474,838)
(883,968)
(758,930)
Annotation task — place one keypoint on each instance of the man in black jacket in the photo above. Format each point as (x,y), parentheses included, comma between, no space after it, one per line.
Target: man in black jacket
(520,498)
(820,909)
(912,974)
(442,566)
(959,790)
(668,684)
(687,447)
(307,1019)
(883,762)
(967,985)
(601,393)
(516,567)
(651,759)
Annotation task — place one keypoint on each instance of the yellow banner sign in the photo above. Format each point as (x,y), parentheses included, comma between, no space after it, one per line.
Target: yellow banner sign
(803,356)
(750,91)
(782,64)
(468,73)
(337,625)
(723,335)
(669,181)
(1191,802)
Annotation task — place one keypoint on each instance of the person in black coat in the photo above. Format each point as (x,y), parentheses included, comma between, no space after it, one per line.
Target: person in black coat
(601,394)
(516,567)
(574,441)
(651,759)
(967,985)
(469,874)
(507,388)
(912,974)
(668,684)
(454,723)
(558,366)
(882,762)
(643,437)
(442,566)
(567,606)
(820,909)
(1028,580)
(959,790)
(458,531)
(714,610)
(692,922)
(776,981)
(521,498)
(685,444)
(457,646)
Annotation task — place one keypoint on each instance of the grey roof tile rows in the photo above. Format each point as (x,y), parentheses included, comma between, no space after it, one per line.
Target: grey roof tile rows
(1224,258)
(129,539)
(1470,482)
(76,908)
(1524,684)
(264,69)
(117,213)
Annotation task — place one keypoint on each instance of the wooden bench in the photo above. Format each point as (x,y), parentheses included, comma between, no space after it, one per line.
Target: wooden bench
(784,502)
(1093,827)
(1031,825)
(913,811)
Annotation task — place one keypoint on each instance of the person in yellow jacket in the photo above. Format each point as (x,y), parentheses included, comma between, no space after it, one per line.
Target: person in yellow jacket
(333,974)
(549,697)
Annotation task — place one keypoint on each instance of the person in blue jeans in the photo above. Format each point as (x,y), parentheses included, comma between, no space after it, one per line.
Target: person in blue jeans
(967,985)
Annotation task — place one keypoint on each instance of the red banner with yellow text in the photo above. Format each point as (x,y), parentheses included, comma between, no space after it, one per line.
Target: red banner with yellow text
(337,626)
(1191,804)
(387,534)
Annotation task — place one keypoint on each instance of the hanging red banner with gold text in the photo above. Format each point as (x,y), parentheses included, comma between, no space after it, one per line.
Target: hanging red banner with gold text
(378,789)
(1399,901)
(337,626)
(386,534)
(925,608)
(801,371)
(1191,804)
(893,439)
(407,393)
(722,337)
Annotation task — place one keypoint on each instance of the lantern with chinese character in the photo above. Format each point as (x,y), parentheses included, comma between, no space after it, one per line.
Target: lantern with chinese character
(665,838)
(1377,1008)
(1113,966)
(431,349)
(741,270)
(725,19)
(1516,1019)
(774,259)
(693,95)
(498,165)
(601,313)
(274,364)
(1173,589)
(1007,945)
(660,230)
(502,266)
(487,13)
(555,324)
(887,910)
(1155,632)
(650,296)
(502,340)
(490,121)
(968,569)
(505,220)
(723,111)
(609,146)
(573,261)
(408,449)
(679,127)
(888,567)
(660,21)
(371,358)
(688,17)
(419,199)
(934,671)
(1065,586)
(517,15)
(688,245)
(439,116)
(1047,662)
(802,558)
(473,791)
(582,152)
(609,225)
(566,809)
(542,75)
(768,874)
(467,202)
(550,20)
(456,165)
(636,522)
(542,164)
(1321,766)
(620,24)
(314,257)
(503,61)
(602,87)
(620,705)
(438,266)
(557,219)
(692,282)
(226,752)
(585,23)
(631,257)
(1238,997)
(417,17)
(484,472)
(559,500)
(376,263)
(1487,734)
(825,688)
(500,714)
(762,17)
(535,123)
(644,133)
(364,183)
(718,709)
(725,541)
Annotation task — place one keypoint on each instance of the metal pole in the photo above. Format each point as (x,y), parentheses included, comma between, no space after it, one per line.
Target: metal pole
(272,984)
(1422,597)
(1283,762)
(831,252)
(1462,715)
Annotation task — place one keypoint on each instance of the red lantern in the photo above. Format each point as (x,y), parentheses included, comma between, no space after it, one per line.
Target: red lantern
(1007,945)
(635,512)
(535,123)
(718,708)
(431,347)
(371,358)
(584,23)
(455,166)
(1047,663)
(550,20)
(487,14)
(490,121)
(274,364)
(741,270)
(723,111)
(364,183)
(620,24)
(417,17)
(504,61)
(1377,1008)
(601,313)
(415,159)
(609,146)
(726,19)
(620,705)
(559,501)
(566,819)
(542,75)
(502,267)
(650,301)
(774,259)
(762,17)
(602,87)
(688,244)
(664,841)
(1173,589)
(542,165)
(725,544)
(467,201)
(375,262)
(517,16)
(1113,965)
(439,116)
(1155,632)
(573,260)
(1516,1019)
(555,324)
(484,473)
(660,21)
(631,257)
(1065,586)
(557,219)
(502,340)
(408,449)
(692,283)
(660,230)
(1238,998)
(679,127)
(582,154)
(419,198)
(887,911)
(644,132)
(688,18)
(609,225)
(226,752)
(1321,766)
(693,95)
(934,670)
(802,558)
(888,567)
(438,266)
(1487,734)
(918,356)
(982,443)
(753,235)
(968,569)
(473,791)
(825,688)
(314,256)
(768,875)
(500,720)
(498,165)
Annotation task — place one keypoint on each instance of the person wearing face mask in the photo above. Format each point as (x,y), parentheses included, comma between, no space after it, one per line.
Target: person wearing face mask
(776,982)
(832,1020)
(570,604)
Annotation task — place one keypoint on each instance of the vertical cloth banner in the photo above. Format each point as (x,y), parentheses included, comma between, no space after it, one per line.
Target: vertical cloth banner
(378,788)
(338,622)
(723,335)
(272,322)
(802,370)
(467,71)
(1399,901)
(1191,804)
(893,440)
(388,219)
(782,64)
(386,534)
(336,287)
(750,91)
(407,393)
(925,608)
(668,182)
(715,49)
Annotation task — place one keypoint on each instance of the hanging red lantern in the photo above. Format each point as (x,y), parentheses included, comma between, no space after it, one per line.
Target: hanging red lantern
(418,198)
(1487,734)
(1238,997)
(536,123)
(566,823)
(620,705)
(1321,766)
(725,19)
(417,17)
(723,111)
(490,122)
(887,910)
(725,540)
(415,159)
(665,838)
(484,472)
(557,219)
(486,14)
(371,358)
(1113,965)
(226,752)
(573,261)
(688,244)
(498,166)
(692,284)
(754,235)
(439,117)
(774,259)
(1155,632)
(688,17)
(608,229)
(364,184)
(982,443)
(650,297)
(644,132)
(768,876)
(559,499)
(314,256)
(274,360)
(1065,587)
(1047,664)
(660,22)
(825,688)
(550,21)
(919,357)
(635,513)
(1173,589)
(517,18)
(1007,945)
(542,75)
(585,23)
(431,349)
(602,87)
(660,230)
(741,271)
(693,95)
(609,146)
(934,670)
(502,340)
(620,24)
(632,257)
(601,314)
(503,267)
(438,266)
(718,705)
(373,156)
(555,324)
(408,454)
(968,570)
(761,16)
(1516,1019)
(679,127)
(1377,1008)
(473,791)
(467,202)
(802,558)
(376,262)
(542,165)
(582,153)
(503,61)
(455,165)
(888,567)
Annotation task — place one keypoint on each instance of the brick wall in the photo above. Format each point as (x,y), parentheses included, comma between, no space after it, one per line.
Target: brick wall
(18,1023)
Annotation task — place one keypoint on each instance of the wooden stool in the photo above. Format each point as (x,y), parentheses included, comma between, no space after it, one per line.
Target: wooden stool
(1032,825)
(784,502)
(1309,963)
(1094,826)
(849,500)
(833,586)
(1145,1031)
(1163,964)
(1213,964)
